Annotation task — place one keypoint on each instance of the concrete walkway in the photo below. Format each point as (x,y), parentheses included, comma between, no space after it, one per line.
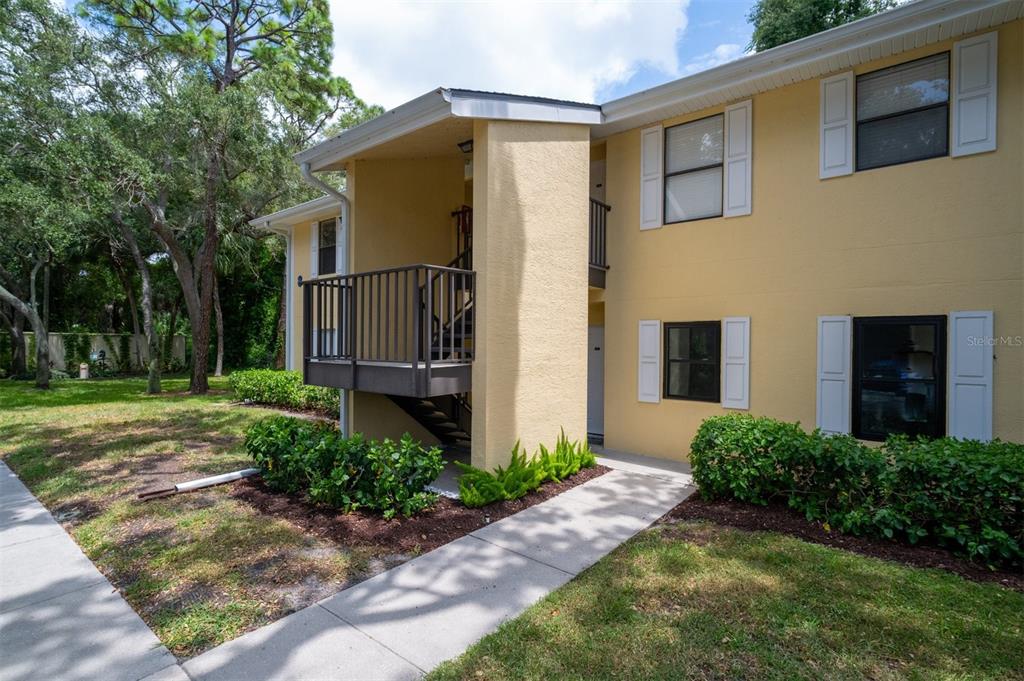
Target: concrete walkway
(60,619)
(404,622)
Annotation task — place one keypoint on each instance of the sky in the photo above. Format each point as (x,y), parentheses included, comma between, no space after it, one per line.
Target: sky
(583,50)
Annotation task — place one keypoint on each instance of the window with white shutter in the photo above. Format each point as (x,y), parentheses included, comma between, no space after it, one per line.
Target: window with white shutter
(736,362)
(833,390)
(903,113)
(649,361)
(836,139)
(899,368)
(651,177)
(970,375)
(974,95)
(738,159)
(694,155)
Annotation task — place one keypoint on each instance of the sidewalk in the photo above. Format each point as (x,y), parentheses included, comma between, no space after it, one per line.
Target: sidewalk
(404,622)
(59,617)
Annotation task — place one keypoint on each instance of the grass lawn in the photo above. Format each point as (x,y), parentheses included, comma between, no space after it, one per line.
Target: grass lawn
(693,600)
(200,568)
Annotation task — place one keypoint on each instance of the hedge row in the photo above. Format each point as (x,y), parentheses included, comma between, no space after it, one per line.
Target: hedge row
(297,456)
(283,389)
(965,495)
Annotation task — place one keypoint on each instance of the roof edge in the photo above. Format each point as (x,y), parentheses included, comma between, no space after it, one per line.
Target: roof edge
(908,18)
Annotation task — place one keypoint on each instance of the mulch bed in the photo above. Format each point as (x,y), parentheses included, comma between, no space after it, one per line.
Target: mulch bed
(781,519)
(446,521)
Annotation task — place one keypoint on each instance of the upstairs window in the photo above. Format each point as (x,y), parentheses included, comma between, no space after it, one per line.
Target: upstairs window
(903,113)
(899,376)
(693,169)
(692,368)
(327,250)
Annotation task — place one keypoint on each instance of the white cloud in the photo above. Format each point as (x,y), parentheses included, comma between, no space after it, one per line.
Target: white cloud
(393,51)
(725,52)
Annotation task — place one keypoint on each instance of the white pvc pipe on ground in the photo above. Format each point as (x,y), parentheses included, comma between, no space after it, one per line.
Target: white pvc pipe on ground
(215,480)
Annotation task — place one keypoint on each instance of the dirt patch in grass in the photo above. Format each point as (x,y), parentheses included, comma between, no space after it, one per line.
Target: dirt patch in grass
(778,518)
(446,521)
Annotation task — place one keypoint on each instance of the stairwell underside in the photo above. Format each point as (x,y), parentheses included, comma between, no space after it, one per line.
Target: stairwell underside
(392,378)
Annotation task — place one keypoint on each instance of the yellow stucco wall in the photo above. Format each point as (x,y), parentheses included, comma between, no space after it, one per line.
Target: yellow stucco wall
(530,254)
(402,211)
(922,238)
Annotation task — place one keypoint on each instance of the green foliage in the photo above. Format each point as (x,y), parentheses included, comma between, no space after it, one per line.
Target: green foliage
(283,389)
(299,456)
(965,495)
(781,21)
(523,475)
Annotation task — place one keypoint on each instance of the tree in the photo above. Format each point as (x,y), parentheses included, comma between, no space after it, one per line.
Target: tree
(274,52)
(777,22)
(47,191)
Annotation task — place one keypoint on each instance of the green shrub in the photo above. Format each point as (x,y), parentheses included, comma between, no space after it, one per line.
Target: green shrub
(522,475)
(965,495)
(283,389)
(299,456)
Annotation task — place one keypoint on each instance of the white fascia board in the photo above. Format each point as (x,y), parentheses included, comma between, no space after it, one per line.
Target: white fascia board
(413,115)
(754,73)
(467,104)
(282,221)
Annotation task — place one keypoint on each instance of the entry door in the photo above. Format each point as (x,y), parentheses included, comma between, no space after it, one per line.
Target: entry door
(595,380)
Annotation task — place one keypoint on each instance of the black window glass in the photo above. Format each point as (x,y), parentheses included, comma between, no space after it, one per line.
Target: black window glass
(327,251)
(899,376)
(903,113)
(691,360)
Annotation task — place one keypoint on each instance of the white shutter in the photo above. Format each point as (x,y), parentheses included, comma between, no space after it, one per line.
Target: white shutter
(834,380)
(649,369)
(340,266)
(652,146)
(738,158)
(314,249)
(736,362)
(837,122)
(970,375)
(974,95)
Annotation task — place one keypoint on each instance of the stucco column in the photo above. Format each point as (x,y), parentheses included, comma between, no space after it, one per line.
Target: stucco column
(530,245)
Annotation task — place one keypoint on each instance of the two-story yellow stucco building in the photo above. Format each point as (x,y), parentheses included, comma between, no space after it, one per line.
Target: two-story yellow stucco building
(830,232)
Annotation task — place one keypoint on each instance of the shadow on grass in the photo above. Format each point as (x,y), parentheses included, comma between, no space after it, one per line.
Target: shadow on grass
(698,601)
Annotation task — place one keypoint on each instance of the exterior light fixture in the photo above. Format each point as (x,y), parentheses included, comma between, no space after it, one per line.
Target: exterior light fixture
(466,147)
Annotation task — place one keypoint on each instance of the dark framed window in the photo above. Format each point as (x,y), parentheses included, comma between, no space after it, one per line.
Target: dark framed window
(903,113)
(327,250)
(694,153)
(692,364)
(899,376)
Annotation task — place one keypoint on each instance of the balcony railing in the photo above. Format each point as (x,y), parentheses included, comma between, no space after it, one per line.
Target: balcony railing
(400,331)
(598,242)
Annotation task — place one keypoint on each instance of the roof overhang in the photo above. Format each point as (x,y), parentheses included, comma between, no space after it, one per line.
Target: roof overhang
(436,106)
(909,26)
(283,221)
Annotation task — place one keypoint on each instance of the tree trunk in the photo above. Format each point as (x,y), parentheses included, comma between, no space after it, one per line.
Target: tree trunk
(172,324)
(28,311)
(129,293)
(148,324)
(46,290)
(219,315)
(281,333)
(15,324)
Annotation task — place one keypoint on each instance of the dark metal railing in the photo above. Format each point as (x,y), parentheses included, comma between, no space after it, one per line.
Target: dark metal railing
(599,233)
(415,315)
